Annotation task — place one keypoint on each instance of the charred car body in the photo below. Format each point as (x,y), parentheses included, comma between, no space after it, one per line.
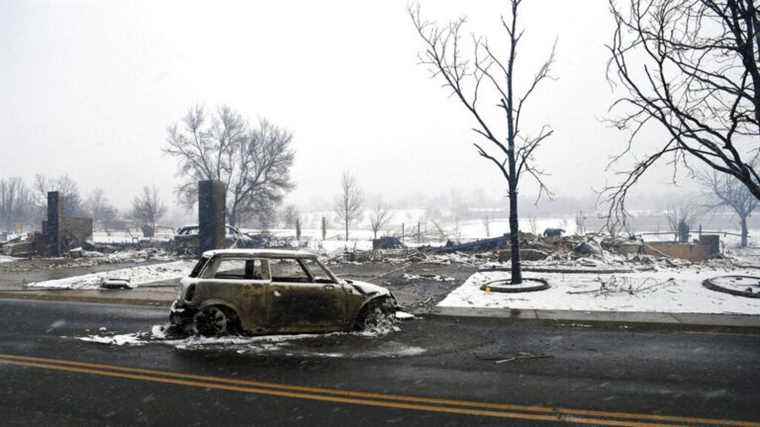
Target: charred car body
(260,291)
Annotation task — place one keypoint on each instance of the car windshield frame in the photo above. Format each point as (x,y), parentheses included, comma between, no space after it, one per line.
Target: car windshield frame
(329,276)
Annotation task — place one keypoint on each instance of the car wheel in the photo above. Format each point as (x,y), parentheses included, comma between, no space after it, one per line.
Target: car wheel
(377,316)
(215,321)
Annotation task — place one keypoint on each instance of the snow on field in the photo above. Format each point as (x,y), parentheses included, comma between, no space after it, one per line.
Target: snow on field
(138,275)
(747,256)
(670,291)
(128,237)
(4,258)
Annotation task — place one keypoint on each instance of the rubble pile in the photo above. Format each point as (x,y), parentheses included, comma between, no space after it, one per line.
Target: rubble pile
(574,253)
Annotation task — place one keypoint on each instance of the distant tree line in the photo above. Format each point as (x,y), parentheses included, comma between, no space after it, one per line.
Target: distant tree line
(26,205)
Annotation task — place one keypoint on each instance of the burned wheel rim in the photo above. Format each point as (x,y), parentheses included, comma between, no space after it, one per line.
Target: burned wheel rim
(378,314)
(212,321)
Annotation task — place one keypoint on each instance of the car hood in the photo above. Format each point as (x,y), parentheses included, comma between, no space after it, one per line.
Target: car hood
(368,288)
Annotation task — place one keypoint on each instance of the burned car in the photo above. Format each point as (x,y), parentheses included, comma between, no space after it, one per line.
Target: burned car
(261,291)
(186,239)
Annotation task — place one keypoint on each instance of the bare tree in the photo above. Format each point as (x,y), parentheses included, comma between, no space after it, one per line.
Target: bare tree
(727,191)
(253,162)
(16,203)
(487,225)
(101,210)
(533,225)
(148,208)
(580,222)
(348,205)
(680,219)
(379,218)
(67,187)
(690,68)
(467,78)
(290,216)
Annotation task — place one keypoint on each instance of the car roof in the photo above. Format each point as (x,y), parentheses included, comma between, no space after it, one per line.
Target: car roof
(261,253)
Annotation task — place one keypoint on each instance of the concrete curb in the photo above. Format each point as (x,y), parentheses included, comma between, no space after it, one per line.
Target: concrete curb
(632,317)
(83,298)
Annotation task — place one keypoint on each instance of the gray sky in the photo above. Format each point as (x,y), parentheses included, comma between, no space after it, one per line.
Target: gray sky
(88,88)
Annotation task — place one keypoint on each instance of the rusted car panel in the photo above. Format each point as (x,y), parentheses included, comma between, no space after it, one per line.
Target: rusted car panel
(273,291)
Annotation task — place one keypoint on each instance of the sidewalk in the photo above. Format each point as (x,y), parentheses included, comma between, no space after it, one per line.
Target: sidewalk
(673,297)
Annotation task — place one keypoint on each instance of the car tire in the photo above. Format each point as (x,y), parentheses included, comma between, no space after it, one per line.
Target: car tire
(215,321)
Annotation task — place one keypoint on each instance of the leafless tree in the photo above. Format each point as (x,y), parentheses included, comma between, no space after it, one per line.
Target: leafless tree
(725,191)
(484,73)
(348,205)
(290,216)
(253,162)
(379,218)
(680,219)
(580,222)
(533,225)
(690,68)
(148,208)
(101,210)
(487,225)
(16,204)
(67,187)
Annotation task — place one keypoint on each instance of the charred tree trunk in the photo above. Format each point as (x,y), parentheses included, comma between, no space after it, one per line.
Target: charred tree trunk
(232,217)
(745,232)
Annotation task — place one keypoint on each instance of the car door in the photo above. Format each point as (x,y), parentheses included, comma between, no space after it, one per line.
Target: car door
(242,284)
(299,302)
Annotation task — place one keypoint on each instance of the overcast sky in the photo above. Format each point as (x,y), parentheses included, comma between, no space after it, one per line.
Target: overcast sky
(88,89)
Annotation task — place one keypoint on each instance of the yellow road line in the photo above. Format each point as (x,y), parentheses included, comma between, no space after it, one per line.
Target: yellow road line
(364,398)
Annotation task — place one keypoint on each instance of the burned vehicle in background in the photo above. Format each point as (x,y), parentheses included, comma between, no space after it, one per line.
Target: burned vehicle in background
(186,241)
(262,291)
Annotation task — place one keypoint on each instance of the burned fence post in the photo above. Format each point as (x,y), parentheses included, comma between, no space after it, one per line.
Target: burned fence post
(211,215)
(54,224)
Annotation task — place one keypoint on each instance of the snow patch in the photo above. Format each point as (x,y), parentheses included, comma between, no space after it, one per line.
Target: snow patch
(138,275)
(435,277)
(402,315)
(119,340)
(331,345)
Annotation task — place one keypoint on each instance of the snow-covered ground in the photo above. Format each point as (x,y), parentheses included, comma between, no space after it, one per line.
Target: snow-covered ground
(138,275)
(132,236)
(669,290)
(5,258)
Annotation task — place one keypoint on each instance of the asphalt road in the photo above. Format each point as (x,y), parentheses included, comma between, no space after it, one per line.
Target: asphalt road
(432,372)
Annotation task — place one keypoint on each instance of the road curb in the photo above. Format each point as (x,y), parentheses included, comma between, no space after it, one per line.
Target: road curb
(699,320)
(83,298)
